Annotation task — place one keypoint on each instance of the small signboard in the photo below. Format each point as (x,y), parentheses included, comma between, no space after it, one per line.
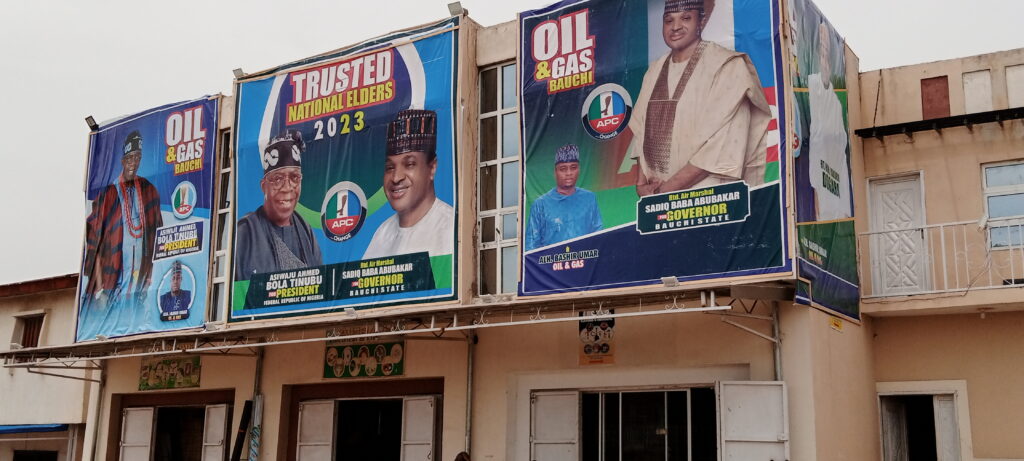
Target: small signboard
(364,360)
(596,338)
(169,373)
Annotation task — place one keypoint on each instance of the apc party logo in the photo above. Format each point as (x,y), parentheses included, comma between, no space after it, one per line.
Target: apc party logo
(183,200)
(606,111)
(343,211)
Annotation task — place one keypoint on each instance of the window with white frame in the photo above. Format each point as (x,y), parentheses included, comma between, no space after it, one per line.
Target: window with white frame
(223,227)
(498,195)
(1004,203)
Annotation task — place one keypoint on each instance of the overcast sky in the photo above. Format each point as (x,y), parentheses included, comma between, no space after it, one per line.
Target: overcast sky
(64,60)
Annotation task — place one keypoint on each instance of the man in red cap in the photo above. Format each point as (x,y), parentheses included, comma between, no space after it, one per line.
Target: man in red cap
(422,222)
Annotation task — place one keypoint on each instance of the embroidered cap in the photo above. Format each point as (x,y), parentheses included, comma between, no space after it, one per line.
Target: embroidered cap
(413,130)
(176,268)
(132,143)
(567,153)
(283,150)
(676,6)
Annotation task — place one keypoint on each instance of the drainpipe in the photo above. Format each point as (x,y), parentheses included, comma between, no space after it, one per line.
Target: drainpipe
(99,412)
(471,341)
(777,345)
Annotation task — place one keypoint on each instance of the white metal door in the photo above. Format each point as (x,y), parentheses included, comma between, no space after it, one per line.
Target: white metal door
(753,421)
(418,428)
(554,426)
(214,432)
(316,430)
(899,256)
(947,429)
(136,433)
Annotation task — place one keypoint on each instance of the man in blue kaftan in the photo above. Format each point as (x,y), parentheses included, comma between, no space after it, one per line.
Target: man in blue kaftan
(566,211)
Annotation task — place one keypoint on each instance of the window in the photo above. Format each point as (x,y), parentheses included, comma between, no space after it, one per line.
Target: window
(498,197)
(1015,85)
(28,329)
(675,425)
(978,91)
(920,427)
(1004,203)
(935,97)
(223,227)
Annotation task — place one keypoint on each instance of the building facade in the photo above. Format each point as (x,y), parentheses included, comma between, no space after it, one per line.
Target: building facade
(691,368)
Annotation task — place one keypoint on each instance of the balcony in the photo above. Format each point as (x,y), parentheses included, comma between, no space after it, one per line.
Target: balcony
(943,259)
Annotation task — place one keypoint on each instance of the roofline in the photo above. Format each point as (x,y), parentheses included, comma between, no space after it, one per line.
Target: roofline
(32,287)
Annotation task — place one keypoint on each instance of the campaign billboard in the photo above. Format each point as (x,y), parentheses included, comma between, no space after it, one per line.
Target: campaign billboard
(826,238)
(651,143)
(346,190)
(149,192)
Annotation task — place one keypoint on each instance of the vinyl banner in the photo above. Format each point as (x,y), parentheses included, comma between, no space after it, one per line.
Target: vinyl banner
(651,143)
(148,194)
(826,239)
(346,193)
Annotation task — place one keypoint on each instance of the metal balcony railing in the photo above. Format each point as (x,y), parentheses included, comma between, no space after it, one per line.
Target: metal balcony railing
(942,258)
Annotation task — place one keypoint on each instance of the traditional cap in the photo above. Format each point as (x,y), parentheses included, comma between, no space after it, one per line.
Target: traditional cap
(413,130)
(284,150)
(705,7)
(132,143)
(675,6)
(176,268)
(567,153)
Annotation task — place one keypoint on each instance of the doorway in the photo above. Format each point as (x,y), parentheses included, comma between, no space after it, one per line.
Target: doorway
(179,433)
(368,430)
(34,455)
(899,251)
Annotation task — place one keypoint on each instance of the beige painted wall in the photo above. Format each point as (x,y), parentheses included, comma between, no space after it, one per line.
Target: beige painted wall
(65,399)
(670,349)
(833,408)
(984,352)
(949,162)
(900,93)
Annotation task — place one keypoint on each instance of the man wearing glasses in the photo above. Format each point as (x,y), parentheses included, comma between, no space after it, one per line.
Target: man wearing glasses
(274,238)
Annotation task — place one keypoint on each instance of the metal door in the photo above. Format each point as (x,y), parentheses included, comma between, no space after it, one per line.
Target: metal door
(316,431)
(136,433)
(753,421)
(554,426)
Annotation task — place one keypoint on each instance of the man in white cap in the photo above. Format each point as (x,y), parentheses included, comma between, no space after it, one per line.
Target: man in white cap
(275,238)
(701,117)
(422,222)
(828,168)
(566,211)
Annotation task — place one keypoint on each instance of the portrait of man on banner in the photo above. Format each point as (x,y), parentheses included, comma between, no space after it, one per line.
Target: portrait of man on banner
(701,117)
(275,238)
(120,230)
(829,170)
(566,211)
(422,222)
